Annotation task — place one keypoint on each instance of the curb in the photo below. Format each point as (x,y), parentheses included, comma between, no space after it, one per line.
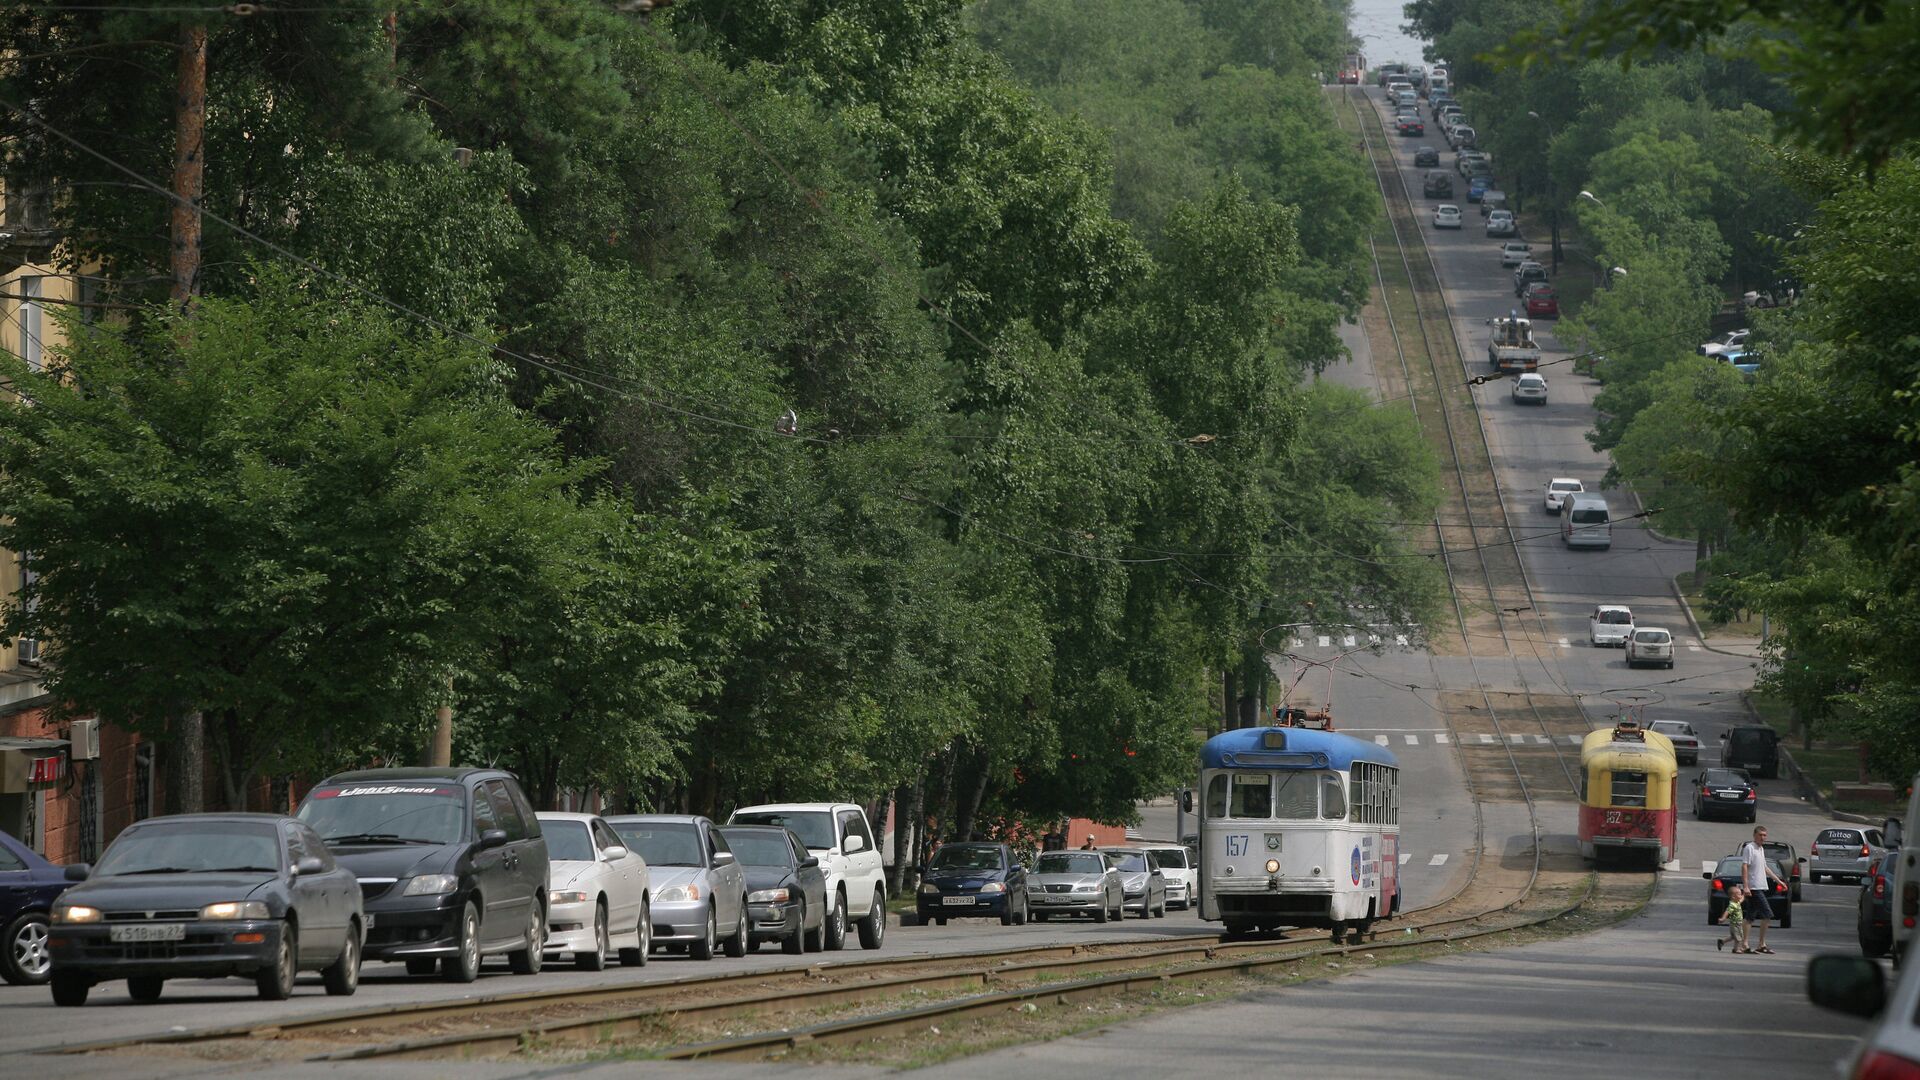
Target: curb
(1699,634)
(1806,788)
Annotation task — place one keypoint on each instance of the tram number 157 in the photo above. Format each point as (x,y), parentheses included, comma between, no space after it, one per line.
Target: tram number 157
(1236,845)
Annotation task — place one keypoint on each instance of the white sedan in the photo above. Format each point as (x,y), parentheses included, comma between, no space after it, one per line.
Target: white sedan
(1559,488)
(1446,216)
(1610,624)
(597,898)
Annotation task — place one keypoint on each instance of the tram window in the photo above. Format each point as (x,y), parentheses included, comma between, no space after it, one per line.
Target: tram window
(1298,798)
(1252,796)
(1629,789)
(1361,783)
(1333,796)
(1217,796)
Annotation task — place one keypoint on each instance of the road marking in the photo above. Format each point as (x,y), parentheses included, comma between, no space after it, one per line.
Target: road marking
(1404,856)
(1400,640)
(1516,739)
(1382,739)
(1438,860)
(1325,641)
(1486,738)
(1543,740)
(1565,644)
(1347,642)
(1441,737)
(1298,644)
(1574,740)
(1693,648)
(1413,740)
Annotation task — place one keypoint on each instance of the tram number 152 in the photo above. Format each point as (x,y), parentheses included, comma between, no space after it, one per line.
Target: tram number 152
(1236,845)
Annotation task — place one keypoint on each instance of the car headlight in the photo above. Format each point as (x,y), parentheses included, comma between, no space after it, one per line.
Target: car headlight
(679,894)
(236,909)
(1086,888)
(566,896)
(430,885)
(929,889)
(76,913)
(767,896)
(993,887)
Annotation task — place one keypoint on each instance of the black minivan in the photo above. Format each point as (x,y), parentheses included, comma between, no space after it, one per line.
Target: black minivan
(451,863)
(1753,748)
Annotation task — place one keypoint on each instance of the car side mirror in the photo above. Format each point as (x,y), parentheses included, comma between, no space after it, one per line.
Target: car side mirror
(1706,875)
(615,852)
(1802,860)
(493,838)
(1848,984)
(78,871)
(723,858)
(309,865)
(853,844)
(1157,873)
(812,861)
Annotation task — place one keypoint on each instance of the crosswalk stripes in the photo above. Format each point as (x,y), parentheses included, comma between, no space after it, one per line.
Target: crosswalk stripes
(1404,857)
(1347,642)
(1441,738)
(1400,640)
(1324,641)
(1381,739)
(1486,739)
(1565,644)
(1438,860)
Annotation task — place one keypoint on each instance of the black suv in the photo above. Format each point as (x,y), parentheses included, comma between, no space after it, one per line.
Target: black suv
(1754,748)
(451,863)
(1439,186)
(1426,158)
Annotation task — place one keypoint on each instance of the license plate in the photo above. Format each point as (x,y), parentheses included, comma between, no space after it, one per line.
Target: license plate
(957,901)
(149,932)
(1042,898)
(369,916)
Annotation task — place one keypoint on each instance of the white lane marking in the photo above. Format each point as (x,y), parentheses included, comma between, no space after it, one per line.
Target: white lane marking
(1693,643)
(1516,739)
(1543,740)
(1412,740)
(1438,860)
(1693,648)
(1441,737)
(1404,856)
(1298,644)
(1325,641)
(1347,642)
(1400,640)
(1573,740)
(1382,739)
(1486,738)
(1565,644)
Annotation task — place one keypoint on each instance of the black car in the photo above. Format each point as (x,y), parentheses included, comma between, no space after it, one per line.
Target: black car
(198,896)
(1753,747)
(1876,907)
(786,889)
(1426,157)
(1724,793)
(1438,185)
(973,880)
(28,886)
(450,860)
(1727,874)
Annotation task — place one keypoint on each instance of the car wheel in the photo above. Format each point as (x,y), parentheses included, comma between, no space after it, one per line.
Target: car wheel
(421,965)
(527,961)
(837,923)
(70,990)
(737,941)
(1021,919)
(1006,914)
(1100,913)
(873,928)
(939,920)
(26,961)
(815,940)
(1161,911)
(596,959)
(795,944)
(464,965)
(637,956)
(145,988)
(342,977)
(703,949)
(1040,916)
(1786,918)
(275,983)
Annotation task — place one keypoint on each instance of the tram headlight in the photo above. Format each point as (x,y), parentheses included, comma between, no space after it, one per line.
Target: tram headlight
(1273,866)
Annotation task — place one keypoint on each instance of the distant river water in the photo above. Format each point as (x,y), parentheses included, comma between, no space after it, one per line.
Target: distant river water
(1377,24)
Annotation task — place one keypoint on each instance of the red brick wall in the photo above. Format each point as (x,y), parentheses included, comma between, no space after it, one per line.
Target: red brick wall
(60,827)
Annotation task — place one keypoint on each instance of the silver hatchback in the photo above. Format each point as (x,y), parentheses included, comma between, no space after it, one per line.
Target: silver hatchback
(1845,853)
(1075,883)
(699,893)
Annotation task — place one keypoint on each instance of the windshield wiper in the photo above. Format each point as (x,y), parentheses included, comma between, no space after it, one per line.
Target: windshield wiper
(242,870)
(369,838)
(162,870)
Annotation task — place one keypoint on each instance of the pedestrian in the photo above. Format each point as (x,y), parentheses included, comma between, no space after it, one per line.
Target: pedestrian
(1089,845)
(1755,873)
(1736,919)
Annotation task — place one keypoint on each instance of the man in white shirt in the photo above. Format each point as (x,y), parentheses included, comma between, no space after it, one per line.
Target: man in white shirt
(1754,874)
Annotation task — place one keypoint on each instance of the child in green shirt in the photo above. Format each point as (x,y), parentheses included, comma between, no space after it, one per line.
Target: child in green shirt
(1736,919)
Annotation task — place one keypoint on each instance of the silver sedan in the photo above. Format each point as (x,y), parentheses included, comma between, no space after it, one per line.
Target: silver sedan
(1075,883)
(1143,885)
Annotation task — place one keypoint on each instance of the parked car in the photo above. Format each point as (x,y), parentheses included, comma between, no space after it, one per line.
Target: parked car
(786,889)
(1438,185)
(1789,858)
(1558,489)
(1609,625)
(1514,252)
(1446,216)
(1754,747)
(837,834)
(451,863)
(1727,872)
(1725,793)
(1746,363)
(1180,873)
(1461,135)
(1526,274)
(1848,854)
(1542,302)
(1650,645)
(197,896)
(1530,388)
(1143,885)
(28,886)
(1685,740)
(1426,157)
(1732,339)
(597,899)
(1478,186)
(1076,883)
(1492,201)
(699,891)
(1875,925)
(974,880)
(1501,223)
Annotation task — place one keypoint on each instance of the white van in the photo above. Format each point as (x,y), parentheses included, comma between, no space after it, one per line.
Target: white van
(1584,522)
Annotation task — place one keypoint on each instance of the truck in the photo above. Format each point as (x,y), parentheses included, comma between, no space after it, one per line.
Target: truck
(1511,349)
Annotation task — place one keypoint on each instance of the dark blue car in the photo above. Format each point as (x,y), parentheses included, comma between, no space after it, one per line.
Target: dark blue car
(28,885)
(976,880)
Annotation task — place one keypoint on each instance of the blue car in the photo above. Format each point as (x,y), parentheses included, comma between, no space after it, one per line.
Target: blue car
(28,886)
(1744,362)
(973,880)
(1477,187)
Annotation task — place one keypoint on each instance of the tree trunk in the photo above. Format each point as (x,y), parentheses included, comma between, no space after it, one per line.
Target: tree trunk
(280,794)
(186,766)
(903,814)
(189,163)
(969,814)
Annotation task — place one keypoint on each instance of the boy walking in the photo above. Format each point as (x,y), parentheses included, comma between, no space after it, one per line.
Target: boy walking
(1736,919)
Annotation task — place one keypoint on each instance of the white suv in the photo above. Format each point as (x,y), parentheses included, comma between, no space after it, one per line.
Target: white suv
(1610,624)
(1650,645)
(837,834)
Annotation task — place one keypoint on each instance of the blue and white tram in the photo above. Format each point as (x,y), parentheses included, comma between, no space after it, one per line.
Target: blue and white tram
(1298,827)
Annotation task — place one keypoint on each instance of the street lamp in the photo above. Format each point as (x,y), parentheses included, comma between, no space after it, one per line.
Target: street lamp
(1592,198)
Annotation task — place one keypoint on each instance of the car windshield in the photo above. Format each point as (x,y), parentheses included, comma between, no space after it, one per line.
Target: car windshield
(1171,858)
(755,847)
(1838,836)
(813,827)
(1069,862)
(957,857)
(188,846)
(388,812)
(1651,637)
(1729,867)
(663,843)
(1130,862)
(1725,778)
(568,841)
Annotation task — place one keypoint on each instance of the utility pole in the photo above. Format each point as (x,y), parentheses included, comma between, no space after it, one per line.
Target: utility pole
(441,753)
(187,784)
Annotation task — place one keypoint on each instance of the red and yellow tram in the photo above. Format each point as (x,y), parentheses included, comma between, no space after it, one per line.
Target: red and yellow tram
(1629,788)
